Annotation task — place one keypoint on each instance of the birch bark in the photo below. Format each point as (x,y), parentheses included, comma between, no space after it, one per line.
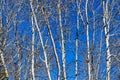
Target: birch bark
(53,42)
(76,43)
(33,37)
(99,55)
(40,36)
(106,32)
(88,43)
(62,41)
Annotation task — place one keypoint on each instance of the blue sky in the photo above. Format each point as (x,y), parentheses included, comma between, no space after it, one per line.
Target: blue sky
(69,20)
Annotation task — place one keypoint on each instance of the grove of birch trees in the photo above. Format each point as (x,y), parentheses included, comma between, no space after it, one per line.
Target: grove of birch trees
(59,39)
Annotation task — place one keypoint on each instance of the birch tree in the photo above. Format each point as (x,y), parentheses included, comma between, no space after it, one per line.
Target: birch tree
(2,42)
(62,41)
(52,39)
(77,29)
(40,36)
(33,37)
(90,75)
(106,30)
(1,54)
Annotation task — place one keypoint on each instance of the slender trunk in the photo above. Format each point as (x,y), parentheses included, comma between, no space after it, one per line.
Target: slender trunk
(40,36)
(62,41)
(53,43)
(33,37)
(106,31)
(88,43)
(99,55)
(19,66)
(76,44)
(93,47)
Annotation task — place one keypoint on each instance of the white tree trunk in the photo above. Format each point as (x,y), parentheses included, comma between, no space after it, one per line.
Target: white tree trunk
(106,31)
(88,43)
(93,47)
(62,41)
(33,37)
(19,66)
(76,44)
(53,43)
(99,55)
(40,36)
